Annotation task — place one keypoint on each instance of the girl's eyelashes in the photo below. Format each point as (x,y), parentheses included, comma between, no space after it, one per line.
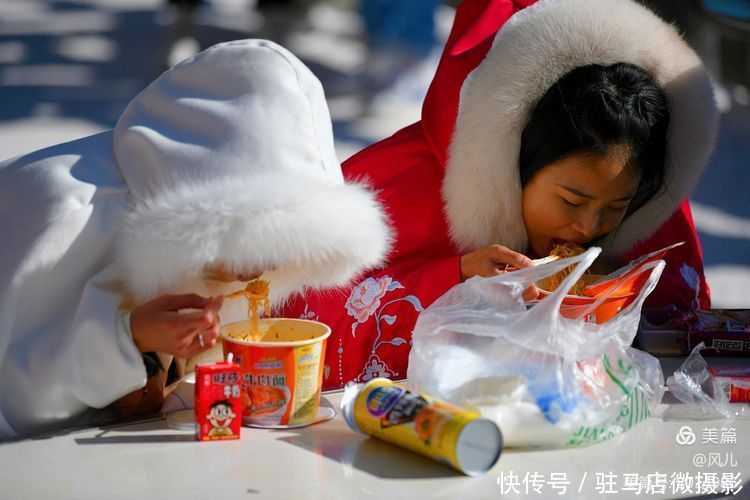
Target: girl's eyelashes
(570,203)
(619,208)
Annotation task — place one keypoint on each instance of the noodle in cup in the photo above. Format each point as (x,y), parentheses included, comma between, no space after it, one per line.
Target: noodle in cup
(282,369)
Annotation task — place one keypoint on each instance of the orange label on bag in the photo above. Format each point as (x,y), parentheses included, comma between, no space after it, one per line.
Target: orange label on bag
(734,381)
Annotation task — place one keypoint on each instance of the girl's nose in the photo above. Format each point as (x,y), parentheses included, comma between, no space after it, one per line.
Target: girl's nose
(589,225)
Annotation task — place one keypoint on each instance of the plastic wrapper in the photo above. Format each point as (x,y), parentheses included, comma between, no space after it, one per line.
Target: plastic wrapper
(546,379)
(704,397)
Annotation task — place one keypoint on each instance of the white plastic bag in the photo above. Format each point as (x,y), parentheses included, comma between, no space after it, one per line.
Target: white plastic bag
(547,380)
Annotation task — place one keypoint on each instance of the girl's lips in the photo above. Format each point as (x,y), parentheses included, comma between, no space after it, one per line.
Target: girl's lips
(553,243)
(557,241)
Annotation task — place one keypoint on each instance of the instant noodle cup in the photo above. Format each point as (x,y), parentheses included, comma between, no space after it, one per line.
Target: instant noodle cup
(574,306)
(282,369)
(625,290)
(621,288)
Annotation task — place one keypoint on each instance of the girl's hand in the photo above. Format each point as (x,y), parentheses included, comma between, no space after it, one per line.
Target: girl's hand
(181,325)
(493,260)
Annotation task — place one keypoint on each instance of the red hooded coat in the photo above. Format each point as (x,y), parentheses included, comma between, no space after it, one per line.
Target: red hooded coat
(434,177)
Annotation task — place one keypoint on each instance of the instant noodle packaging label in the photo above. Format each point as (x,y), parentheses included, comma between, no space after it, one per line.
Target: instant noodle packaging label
(218,402)
(420,423)
(282,370)
(281,384)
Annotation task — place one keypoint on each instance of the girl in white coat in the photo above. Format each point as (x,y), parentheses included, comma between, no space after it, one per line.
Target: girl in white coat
(221,169)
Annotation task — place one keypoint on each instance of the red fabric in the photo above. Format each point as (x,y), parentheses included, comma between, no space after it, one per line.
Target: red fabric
(372,320)
(371,336)
(474,27)
(683,282)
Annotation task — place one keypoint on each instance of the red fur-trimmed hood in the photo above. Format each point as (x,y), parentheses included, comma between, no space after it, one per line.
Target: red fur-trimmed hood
(533,49)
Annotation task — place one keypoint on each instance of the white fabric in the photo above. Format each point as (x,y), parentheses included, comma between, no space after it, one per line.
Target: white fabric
(60,351)
(228,157)
(534,49)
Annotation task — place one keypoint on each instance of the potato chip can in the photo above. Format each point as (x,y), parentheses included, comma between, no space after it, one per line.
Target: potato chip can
(442,431)
(218,403)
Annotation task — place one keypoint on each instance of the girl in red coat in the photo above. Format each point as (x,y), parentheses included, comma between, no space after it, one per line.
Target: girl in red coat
(566,120)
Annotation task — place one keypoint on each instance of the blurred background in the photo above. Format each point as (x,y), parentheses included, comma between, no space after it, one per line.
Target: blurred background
(69,68)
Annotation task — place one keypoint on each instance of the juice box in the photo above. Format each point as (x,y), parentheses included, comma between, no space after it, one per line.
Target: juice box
(218,403)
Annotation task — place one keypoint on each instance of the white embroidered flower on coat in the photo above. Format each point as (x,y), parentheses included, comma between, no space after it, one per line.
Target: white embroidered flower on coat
(364,303)
(309,315)
(365,298)
(375,368)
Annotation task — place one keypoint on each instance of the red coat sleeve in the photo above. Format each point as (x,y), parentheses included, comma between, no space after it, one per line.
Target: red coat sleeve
(683,282)
(372,320)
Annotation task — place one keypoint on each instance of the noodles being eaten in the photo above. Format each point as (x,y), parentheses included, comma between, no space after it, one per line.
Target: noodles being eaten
(567,249)
(256,293)
(553,282)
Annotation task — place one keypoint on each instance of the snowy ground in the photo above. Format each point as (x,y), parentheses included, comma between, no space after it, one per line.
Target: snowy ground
(68,68)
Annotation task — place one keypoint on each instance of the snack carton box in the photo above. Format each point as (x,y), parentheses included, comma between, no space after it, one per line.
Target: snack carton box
(218,403)
(725,332)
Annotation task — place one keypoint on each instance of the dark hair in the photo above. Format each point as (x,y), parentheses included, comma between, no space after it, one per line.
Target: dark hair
(594,107)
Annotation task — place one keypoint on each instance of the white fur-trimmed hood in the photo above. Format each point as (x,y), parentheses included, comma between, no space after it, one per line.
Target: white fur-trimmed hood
(537,46)
(230,160)
(309,231)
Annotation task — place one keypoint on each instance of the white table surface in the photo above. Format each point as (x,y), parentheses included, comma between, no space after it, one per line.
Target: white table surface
(327,460)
